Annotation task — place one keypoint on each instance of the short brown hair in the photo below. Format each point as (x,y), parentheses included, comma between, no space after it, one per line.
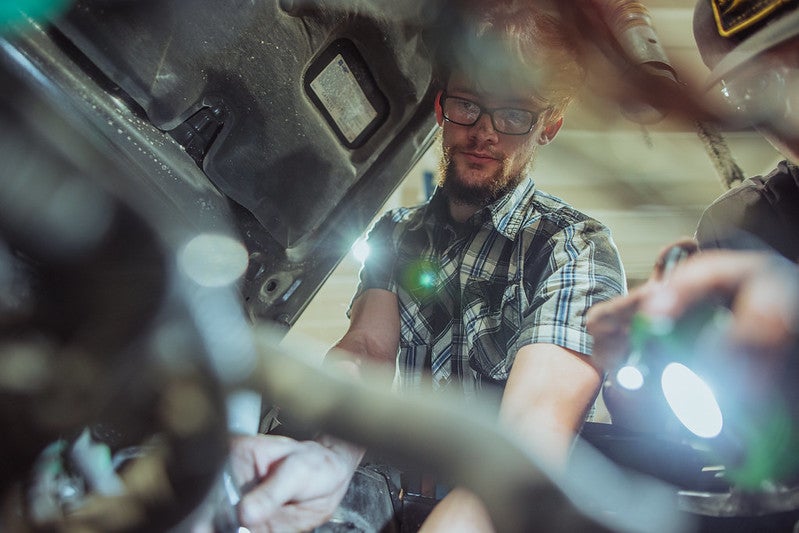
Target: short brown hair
(513,43)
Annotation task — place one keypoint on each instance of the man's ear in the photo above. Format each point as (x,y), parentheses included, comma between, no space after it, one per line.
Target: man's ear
(439,109)
(549,132)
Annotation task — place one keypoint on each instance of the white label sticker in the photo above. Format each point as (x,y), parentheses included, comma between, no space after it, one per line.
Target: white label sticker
(342,97)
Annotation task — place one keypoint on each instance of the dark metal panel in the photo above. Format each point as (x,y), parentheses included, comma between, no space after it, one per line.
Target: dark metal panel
(276,154)
(221,89)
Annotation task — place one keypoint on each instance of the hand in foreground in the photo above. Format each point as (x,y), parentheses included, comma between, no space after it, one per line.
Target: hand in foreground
(296,485)
(762,291)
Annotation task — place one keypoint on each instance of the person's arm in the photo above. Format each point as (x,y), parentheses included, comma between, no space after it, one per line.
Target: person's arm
(298,485)
(548,392)
(373,334)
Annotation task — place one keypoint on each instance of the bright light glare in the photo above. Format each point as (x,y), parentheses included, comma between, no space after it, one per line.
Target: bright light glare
(360,250)
(427,280)
(630,378)
(213,260)
(691,400)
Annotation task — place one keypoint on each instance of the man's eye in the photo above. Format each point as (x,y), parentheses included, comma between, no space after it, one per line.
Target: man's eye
(516,116)
(466,106)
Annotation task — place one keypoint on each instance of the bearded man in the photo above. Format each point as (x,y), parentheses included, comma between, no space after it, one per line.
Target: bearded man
(485,286)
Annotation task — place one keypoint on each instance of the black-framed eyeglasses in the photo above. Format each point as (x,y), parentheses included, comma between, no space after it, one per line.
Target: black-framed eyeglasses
(507,120)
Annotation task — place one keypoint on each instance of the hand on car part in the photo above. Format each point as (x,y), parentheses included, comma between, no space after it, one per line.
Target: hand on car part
(296,485)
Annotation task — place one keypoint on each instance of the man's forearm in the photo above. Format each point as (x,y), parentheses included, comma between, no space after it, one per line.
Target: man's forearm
(546,398)
(344,361)
(460,510)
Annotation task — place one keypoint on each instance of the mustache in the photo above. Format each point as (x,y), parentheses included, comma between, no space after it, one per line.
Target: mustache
(480,147)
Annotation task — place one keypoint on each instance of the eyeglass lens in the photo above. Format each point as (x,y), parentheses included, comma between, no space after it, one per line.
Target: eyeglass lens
(505,120)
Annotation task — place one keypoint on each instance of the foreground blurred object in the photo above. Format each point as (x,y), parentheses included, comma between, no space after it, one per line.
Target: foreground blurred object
(98,349)
(118,346)
(154,156)
(708,324)
(630,24)
(507,477)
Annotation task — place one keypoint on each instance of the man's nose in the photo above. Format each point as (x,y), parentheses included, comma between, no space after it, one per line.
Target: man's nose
(483,129)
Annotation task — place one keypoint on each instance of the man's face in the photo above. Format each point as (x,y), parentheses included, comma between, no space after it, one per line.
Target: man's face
(480,164)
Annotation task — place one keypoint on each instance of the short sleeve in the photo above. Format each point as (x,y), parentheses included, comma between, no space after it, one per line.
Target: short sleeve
(583,268)
(378,270)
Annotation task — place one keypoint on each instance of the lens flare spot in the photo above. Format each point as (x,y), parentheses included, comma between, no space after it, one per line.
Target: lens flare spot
(13,13)
(213,260)
(427,279)
(691,400)
(630,378)
(420,277)
(360,250)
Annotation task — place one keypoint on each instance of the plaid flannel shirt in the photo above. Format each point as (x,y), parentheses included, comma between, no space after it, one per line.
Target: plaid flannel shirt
(524,270)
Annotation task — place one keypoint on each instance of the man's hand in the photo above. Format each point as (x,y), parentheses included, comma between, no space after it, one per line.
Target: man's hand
(762,291)
(297,485)
(609,324)
(294,485)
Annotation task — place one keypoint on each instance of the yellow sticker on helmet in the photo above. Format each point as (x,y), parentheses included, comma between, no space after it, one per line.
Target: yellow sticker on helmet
(734,16)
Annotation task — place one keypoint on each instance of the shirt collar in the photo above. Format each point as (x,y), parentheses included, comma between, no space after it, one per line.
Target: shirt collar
(506,214)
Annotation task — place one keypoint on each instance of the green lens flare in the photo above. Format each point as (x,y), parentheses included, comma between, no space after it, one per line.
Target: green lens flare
(427,280)
(12,13)
(420,278)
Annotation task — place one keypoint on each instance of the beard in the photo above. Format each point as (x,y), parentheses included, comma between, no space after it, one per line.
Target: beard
(481,194)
